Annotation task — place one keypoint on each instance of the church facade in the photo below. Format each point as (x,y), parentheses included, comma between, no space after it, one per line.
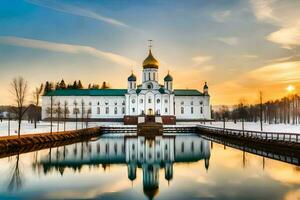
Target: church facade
(148,98)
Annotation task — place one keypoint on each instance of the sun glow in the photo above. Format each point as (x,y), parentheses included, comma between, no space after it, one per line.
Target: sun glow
(290,88)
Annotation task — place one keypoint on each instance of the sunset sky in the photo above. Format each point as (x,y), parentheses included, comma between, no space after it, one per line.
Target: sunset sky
(238,46)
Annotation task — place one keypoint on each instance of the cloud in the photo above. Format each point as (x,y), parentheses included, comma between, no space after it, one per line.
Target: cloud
(67,48)
(286,18)
(263,10)
(272,79)
(201,59)
(75,10)
(221,16)
(288,36)
(249,56)
(229,40)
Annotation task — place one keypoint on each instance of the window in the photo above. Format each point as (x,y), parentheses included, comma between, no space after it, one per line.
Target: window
(123,103)
(133,110)
(158,100)
(149,100)
(133,100)
(149,86)
(107,110)
(192,103)
(182,103)
(182,110)
(106,102)
(90,103)
(98,110)
(141,101)
(116,103)
(182,147)
(116,110)
(149,76)
(123,110)
(192,110)
(98,103)
(166,110)
(166,100)
(89,111)
(201,110)
(201,102)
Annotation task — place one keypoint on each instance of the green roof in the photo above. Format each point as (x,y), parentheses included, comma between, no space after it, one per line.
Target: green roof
(180,92)
(87,92)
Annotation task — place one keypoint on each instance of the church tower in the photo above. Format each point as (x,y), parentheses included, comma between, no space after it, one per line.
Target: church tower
(150,72)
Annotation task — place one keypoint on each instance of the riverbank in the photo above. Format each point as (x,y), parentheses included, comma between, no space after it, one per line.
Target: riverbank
(280,141)
(13,144)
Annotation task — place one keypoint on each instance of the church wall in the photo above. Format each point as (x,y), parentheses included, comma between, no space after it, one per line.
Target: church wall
(100,106)
(192,107)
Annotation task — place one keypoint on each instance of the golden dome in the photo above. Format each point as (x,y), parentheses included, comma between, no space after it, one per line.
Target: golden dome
(150,61)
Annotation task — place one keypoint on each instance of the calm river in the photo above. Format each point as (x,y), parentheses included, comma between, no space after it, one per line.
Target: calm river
(130,167)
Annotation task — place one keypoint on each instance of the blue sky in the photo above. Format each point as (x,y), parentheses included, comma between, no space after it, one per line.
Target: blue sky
(238,47)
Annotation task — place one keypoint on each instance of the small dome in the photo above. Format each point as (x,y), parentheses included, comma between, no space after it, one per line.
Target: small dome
(168,77)
(150,61)
(205,86)
(132,77)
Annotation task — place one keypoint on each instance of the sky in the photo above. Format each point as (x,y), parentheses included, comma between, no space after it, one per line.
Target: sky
(240,47)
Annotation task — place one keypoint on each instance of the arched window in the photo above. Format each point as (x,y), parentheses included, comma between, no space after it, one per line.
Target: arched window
(98,110)
(182,110)
(123,110)
(133,100)
(182,147)
(107,110)
(158,100)
(149,100)
(201,110)
(116,110)
(192,110)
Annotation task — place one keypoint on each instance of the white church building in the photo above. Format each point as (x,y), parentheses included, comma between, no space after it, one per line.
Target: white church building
(148,98)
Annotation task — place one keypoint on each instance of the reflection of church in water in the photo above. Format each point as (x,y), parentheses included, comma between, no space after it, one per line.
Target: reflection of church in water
(150,155)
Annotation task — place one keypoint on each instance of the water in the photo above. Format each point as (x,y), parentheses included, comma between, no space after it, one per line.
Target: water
(131,167)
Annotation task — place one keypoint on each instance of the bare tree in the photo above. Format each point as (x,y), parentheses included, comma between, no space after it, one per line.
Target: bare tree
(82,113)
(19,89)
(89,111)
(65,112)
(16,178)
(58,112)
(50,112)
(36,96)
(261,110)
(242,112)
(224,114)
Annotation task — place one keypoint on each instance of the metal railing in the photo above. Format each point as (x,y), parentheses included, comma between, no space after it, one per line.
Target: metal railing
(273,136)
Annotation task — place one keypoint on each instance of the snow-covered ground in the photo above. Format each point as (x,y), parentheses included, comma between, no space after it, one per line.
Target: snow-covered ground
(252,126)
(44,127)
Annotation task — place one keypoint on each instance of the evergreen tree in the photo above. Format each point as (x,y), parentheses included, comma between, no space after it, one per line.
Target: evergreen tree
(75,85)
(104,85)
(57,86)
(79,85)
(62,84)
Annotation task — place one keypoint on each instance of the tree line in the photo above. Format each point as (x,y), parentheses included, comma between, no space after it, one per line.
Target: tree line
(285,110)
(62,85)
